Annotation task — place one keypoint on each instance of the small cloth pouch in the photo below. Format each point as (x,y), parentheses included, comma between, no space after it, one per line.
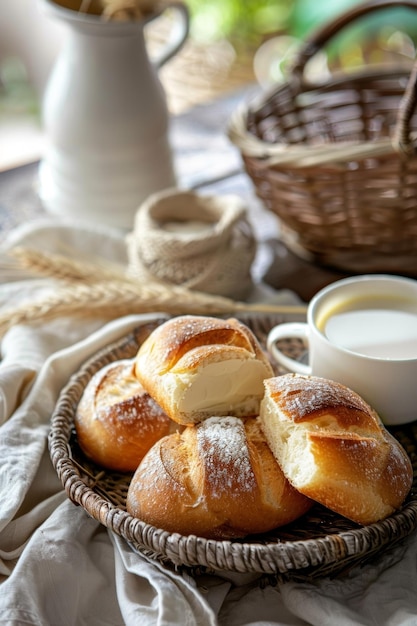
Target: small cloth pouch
(200,242)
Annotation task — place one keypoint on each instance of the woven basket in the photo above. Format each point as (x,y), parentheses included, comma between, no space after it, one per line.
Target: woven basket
(335,160)
(321,543)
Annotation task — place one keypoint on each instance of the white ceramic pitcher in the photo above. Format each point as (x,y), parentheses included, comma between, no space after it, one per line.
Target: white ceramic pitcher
(105,117)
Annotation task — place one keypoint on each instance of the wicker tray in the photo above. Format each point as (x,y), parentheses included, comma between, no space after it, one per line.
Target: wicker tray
(320,544)
(335,159)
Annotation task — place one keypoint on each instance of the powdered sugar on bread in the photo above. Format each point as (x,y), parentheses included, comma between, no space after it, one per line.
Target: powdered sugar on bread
(221,441)
(217,479)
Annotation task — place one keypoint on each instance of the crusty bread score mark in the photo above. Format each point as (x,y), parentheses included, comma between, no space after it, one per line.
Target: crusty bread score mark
(333,447)
(116,420)
(217,479)
(197,333)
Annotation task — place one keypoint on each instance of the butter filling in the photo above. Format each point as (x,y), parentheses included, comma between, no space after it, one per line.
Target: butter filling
(219,386)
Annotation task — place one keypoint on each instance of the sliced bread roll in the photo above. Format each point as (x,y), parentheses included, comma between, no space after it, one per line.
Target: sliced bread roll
(197,366)
(333,447)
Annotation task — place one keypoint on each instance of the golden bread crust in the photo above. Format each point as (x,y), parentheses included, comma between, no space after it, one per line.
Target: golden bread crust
(333,447)
(217,479)
(116,420)
(197,352)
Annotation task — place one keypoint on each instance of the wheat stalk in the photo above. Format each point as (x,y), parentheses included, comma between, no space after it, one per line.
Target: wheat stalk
(112,294)
(110,300)
(60,267)
(126,9)
(122,9)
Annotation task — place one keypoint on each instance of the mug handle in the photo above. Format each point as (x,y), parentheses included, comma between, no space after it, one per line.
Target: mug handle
(289,330)
(178,34)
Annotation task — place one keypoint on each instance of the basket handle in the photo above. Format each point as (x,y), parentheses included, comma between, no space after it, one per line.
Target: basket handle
(319,37)
(401,140)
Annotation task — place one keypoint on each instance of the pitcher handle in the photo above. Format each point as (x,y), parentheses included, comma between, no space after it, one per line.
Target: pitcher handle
(178,34)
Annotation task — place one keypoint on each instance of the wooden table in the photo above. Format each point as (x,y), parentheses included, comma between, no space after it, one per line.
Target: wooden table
(206,161)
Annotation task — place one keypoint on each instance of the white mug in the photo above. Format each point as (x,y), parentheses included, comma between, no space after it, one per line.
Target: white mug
(362,332)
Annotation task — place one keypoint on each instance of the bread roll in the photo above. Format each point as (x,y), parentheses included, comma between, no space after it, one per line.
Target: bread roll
(217,480)
(196,367)
(116,420)
(333,447)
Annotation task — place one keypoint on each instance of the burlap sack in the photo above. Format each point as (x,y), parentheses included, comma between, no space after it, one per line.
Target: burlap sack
(200,242)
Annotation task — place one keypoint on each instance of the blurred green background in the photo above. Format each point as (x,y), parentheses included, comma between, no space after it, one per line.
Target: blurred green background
(248,24)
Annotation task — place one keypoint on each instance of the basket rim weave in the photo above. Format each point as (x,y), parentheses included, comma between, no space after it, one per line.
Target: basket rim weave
(301,155)
(283,559)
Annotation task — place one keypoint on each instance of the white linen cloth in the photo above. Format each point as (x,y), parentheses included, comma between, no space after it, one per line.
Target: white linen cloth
(59,567)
